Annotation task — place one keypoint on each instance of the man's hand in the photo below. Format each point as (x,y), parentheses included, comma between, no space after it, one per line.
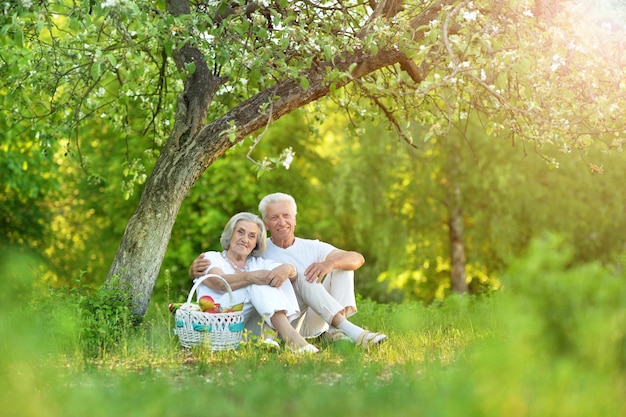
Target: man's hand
(337,259)
(317,271)
(199,267)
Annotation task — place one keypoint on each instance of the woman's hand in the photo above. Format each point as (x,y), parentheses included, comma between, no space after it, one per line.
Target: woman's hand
(280,274)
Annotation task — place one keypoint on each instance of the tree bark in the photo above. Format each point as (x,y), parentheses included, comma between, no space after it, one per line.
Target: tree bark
(192,147)
(458,278)
(456,224)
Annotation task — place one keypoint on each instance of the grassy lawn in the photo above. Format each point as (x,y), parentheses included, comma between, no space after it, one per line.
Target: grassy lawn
(550,344)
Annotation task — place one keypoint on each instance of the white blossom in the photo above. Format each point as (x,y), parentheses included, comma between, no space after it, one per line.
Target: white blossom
(557,62)
(470,16)
(287,157)
(109,3)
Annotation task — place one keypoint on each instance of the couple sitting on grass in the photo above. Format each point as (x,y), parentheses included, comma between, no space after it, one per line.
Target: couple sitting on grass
(283,279)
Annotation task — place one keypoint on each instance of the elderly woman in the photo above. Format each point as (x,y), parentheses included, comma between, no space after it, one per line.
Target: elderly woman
(261,284)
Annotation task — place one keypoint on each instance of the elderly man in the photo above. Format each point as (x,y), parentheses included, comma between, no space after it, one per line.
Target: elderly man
(325,283)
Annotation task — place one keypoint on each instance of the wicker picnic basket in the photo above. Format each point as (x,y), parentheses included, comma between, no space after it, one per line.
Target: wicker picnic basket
(219,331)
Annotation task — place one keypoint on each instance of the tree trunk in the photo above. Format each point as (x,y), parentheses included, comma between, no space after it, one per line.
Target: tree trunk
(192,148)
(456,225)
(458,278)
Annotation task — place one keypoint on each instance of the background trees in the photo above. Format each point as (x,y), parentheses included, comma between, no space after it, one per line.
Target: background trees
(106,85)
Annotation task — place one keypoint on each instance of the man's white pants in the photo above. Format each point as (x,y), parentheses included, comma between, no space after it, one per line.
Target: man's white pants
(318,303)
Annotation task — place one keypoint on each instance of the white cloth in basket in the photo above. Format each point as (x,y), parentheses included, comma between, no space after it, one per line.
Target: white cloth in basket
(264,299)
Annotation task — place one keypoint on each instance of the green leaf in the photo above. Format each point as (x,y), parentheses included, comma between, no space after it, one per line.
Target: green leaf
(304,83)
(169,47)
(190,67)
(18,37)
(112,60)
(96,70)
(328,53)
(255,76)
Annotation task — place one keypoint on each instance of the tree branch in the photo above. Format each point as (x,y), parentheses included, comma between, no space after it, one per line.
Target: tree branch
(287,95)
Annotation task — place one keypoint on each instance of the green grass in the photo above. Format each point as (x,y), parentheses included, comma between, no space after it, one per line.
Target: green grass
(552,343)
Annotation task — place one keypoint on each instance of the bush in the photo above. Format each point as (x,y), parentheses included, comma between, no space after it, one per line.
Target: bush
(106,316)
(570,310)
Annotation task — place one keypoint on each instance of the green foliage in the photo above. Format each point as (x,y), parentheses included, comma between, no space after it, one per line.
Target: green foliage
(106,317)
(27,177)
(575,310)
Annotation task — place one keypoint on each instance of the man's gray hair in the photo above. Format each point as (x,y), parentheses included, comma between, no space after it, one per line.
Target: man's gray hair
(229,229)
(276,198)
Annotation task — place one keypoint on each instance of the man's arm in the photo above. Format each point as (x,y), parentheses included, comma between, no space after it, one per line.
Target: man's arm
(274,277)
(237,280)
(199,266)
(337,259)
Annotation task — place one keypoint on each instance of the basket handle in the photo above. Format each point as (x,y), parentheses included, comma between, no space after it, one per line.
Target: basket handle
(201,279)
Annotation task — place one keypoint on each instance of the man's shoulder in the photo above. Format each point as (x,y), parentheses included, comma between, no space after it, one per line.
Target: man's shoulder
(308,242)
(213,255)
(261,261)
(314,244)
(298,241)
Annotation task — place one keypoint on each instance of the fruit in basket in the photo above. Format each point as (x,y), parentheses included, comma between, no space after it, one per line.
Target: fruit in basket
(206,303)
(174,306)
(237,307)
(190,307)
(216,309)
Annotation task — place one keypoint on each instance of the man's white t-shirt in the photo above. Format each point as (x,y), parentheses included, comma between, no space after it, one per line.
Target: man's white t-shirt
(301,254)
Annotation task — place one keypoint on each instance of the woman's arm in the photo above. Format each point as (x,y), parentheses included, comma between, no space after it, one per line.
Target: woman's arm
(280,274)
(237,280)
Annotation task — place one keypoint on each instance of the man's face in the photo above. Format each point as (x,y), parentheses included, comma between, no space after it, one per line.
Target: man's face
(280,220)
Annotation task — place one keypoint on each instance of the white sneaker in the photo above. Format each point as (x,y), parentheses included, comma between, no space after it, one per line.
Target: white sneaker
(309,348)
(336,336)
(271,344)
(368,339)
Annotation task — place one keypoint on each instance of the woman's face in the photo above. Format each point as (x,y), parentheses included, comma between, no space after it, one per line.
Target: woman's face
(244,238)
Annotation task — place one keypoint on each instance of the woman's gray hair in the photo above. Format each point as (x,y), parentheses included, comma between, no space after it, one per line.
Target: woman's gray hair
(261,241)
(276,198)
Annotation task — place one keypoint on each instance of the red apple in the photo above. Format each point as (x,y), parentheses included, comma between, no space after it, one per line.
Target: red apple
(174,306)
(206,302)
(216,309)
